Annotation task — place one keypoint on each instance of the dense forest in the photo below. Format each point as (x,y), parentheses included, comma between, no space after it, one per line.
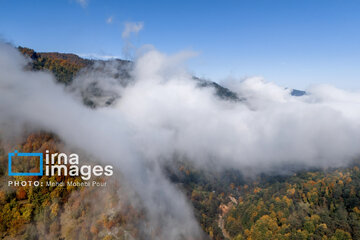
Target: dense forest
(307,204)
(313,204)
(61,212)
(63,66)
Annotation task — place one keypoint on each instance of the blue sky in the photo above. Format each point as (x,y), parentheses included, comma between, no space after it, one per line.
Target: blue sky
(292,43)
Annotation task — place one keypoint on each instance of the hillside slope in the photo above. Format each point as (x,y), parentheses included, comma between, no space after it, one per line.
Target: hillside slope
(306,204)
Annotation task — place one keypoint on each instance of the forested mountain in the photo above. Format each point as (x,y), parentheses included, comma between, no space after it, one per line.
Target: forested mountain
(313,204)
(305,205)
(65,66)
(61,212)
(301,205)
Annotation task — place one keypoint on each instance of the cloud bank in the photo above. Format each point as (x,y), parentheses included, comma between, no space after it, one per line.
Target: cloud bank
(163,112)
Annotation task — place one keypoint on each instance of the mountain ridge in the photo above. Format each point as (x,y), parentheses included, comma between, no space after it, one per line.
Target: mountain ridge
(65,66)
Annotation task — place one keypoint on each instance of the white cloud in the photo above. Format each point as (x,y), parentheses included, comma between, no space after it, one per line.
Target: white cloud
(163,112)
(132,27)
(48,106)
(109,20)
(83,3)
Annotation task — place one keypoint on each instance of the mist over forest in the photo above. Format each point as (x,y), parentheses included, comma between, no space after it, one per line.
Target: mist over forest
(193,159)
